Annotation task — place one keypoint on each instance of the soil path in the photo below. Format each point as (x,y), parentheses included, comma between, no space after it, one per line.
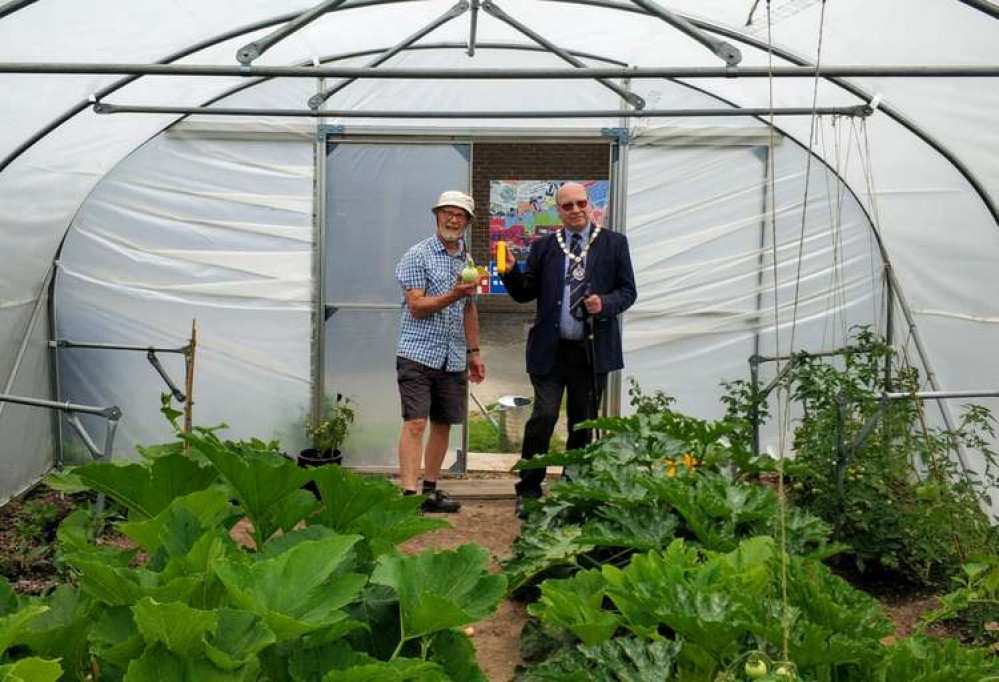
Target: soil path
(492,524)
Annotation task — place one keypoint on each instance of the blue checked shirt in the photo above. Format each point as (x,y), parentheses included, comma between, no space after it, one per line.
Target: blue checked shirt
(436,341)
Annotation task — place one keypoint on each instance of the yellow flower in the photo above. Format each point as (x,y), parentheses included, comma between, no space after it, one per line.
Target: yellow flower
(690,461)
(671,472)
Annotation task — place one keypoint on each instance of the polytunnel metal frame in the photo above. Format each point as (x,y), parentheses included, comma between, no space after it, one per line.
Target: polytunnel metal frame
(832,74)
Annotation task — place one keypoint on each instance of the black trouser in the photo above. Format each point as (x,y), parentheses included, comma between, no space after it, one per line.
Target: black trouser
(572,373)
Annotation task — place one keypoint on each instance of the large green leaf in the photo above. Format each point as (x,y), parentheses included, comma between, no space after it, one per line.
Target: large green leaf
(577,605)
(538,550)
(240,637)
(176,626)
(299,591)
(116,586)
(61,632)
(267,485)
(147,489)
(627,659)
(12,626)
(159,664)
(115,639)
(635,527)
(9,601)
(441,590)
(373,507)
(454,652)
(31,670)
(177,528)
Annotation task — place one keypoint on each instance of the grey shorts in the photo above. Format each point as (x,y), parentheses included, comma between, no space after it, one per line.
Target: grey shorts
(427,392)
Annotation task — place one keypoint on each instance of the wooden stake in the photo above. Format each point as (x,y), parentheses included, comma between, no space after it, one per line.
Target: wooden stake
(189,383)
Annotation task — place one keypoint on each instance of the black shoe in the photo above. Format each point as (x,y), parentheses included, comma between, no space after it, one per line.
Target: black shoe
(521,503)
(438,502)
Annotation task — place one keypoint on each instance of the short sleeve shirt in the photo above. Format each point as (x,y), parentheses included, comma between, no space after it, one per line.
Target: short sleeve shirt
(436,341)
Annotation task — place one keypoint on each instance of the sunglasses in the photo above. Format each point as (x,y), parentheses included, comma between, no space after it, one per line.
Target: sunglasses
(567,206)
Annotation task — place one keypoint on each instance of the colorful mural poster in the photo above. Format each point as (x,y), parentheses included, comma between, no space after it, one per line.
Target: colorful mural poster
(523,211)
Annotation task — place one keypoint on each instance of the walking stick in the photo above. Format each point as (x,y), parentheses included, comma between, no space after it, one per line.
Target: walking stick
(591,351)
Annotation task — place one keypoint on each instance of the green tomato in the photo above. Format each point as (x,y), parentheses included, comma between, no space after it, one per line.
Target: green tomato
(756,668)
(785,670)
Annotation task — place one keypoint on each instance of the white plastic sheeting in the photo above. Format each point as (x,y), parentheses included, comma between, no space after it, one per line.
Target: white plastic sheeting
(940,233)
(195,228)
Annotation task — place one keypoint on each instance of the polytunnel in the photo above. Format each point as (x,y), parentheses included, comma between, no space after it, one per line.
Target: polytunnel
(784,170)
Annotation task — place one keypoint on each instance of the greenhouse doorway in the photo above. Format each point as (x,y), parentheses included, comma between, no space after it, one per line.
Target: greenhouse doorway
(377,204)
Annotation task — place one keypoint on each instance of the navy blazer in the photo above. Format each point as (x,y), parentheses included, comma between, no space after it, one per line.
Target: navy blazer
(608,267)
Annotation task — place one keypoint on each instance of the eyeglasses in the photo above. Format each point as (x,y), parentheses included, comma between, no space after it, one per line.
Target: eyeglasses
(581,203)
(457,215)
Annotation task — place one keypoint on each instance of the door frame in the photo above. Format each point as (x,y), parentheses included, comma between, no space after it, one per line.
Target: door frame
(616,139)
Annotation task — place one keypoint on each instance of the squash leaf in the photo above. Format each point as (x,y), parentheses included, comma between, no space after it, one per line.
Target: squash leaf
(440,590)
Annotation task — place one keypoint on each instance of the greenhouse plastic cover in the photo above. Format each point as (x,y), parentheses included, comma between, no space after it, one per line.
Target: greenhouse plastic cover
(155,224)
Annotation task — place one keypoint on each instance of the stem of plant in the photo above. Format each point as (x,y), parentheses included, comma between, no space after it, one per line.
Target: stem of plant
(402,640)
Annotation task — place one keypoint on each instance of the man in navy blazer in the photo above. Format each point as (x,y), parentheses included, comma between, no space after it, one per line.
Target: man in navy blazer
(582,279)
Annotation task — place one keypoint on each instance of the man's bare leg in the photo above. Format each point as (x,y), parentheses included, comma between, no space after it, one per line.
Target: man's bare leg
(436,448)
(410,446)
(433,457)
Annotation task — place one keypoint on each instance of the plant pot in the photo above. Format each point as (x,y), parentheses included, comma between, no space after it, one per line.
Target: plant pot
(310,458)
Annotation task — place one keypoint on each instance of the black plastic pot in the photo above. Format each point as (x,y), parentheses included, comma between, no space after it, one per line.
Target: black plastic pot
(310,458)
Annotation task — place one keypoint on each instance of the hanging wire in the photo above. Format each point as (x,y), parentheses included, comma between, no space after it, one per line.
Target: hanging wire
(808,177)
(781,493)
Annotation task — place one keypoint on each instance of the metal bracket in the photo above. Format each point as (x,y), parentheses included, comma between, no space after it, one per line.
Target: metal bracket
(489,6)
(329,130)
(622,135)
(246,54)
(318,99)
(150,352)
(155,362)
(112,415)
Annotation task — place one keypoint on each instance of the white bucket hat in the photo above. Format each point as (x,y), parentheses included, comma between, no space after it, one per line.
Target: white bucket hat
(456,199)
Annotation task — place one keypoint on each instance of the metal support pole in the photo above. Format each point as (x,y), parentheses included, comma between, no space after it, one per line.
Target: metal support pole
(755,397)
(111,414)
(630,97)
(473,28)
(938,395)
(730,53)
(889,327)
(754,359)
(582,73)
(13,6)
(247,53)
(189,382)
(63,343)
(104,108)
(320,97)
(847,350)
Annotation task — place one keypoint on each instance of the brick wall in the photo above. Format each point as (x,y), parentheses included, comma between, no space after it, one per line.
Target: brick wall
(518,161)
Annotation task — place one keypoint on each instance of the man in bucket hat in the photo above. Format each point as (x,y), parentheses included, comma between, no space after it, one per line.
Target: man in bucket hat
(438,346)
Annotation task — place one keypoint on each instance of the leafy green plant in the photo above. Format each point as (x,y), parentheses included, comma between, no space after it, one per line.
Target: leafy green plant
(656,476)
(319,593)
(718,609)
(973,604)
(330,431)
(889,484)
